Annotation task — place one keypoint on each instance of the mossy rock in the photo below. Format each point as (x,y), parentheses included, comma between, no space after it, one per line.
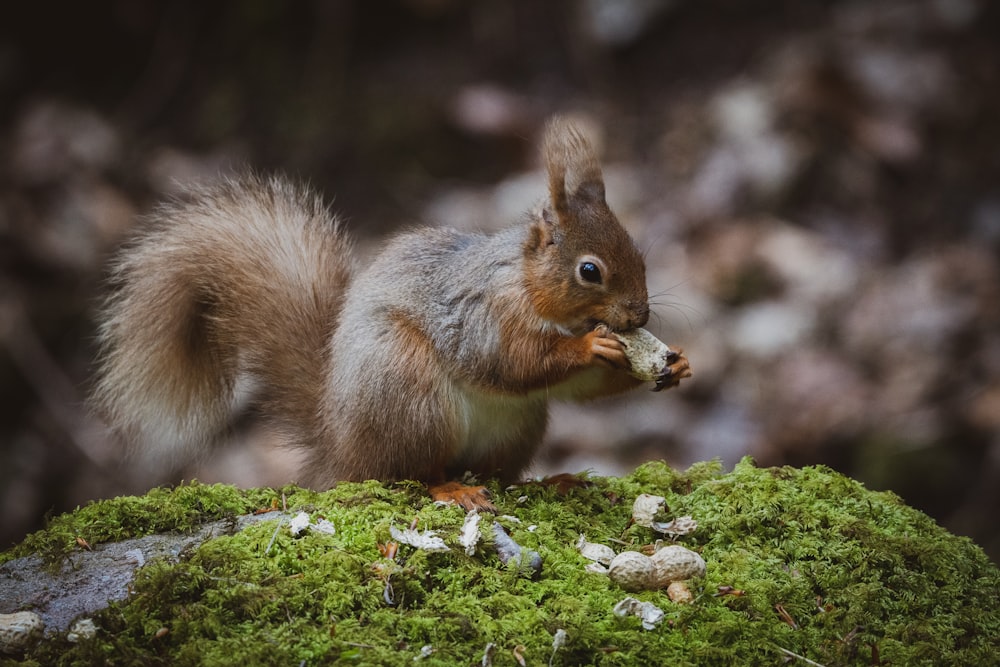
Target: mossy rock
(803,565)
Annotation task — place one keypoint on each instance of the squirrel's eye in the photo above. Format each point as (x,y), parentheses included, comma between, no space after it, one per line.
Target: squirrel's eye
(590,272)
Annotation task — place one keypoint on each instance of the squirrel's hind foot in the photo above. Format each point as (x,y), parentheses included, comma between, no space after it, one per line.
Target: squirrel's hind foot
(469,497)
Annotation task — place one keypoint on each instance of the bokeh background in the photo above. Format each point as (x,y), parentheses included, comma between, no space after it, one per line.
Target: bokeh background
(816,186)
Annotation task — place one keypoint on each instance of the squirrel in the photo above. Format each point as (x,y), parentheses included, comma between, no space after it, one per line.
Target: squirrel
(436,358)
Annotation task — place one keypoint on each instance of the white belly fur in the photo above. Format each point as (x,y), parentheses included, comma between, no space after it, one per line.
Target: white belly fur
(491,420)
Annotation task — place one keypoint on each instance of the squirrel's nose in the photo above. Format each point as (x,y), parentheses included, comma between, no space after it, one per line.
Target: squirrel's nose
(640,315)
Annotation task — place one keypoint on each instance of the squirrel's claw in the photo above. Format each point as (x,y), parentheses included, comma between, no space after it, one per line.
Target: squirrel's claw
(676,370)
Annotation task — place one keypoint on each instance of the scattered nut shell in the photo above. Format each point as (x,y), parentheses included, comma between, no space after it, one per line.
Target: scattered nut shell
(650,614)
(85,628)
(676,563)
(679,592)
(633,571)
(682,525)
(470,532)
(645,508)
(426,540)
(19,630)
(600,553)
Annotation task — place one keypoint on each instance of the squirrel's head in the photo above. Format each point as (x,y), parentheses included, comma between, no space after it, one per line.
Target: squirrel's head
(582,267)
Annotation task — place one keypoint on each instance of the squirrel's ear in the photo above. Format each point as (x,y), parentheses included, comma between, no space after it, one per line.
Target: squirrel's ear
(543,231)
(572,165)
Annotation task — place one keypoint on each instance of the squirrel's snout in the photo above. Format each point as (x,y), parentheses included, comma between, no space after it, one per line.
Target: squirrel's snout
(638,315)
(642,313)
(631,315)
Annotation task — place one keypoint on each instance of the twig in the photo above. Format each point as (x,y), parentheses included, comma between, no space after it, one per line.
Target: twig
(281,522)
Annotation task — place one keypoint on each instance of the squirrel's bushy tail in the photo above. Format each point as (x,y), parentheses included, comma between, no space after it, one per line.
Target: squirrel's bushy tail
(240,281)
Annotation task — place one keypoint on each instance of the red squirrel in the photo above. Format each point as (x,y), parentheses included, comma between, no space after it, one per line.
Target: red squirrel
(437,357)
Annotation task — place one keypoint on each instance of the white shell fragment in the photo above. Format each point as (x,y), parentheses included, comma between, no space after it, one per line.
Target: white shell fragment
(81,629)
(298,523)
(599,553)
(324,526)
(645,508)
(676,563)
(470,532)
(426,540)
(19,630)
(650,614)
(633,571)
(682,525)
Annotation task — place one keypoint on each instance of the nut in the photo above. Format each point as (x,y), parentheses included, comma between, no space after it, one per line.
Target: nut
(19,630)
(633,571)
(676,563)
(646,353)
(651,359)
(679,592)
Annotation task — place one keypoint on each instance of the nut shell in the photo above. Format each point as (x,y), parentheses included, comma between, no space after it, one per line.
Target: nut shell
(676,563)
(600,553)
(84,628)
(645,508)
(19,630)
(633,571)
(646,353)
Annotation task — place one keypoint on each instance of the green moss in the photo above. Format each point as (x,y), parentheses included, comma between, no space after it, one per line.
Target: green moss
(860,577)
(161,510)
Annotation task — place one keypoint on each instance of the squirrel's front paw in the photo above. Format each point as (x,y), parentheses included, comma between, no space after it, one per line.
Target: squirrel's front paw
(604,348)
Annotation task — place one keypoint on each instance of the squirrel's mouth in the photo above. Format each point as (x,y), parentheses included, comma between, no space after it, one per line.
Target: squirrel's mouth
(592,323)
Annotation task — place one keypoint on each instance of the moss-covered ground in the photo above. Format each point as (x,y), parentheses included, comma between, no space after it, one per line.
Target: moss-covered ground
(805,566)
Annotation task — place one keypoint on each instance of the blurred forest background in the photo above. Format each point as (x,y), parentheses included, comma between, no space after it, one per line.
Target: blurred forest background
(816,185)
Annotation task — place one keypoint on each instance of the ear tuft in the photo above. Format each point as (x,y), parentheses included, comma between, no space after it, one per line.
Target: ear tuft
(573,168)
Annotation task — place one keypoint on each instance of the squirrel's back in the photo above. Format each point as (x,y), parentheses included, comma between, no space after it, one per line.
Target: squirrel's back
(239,281)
